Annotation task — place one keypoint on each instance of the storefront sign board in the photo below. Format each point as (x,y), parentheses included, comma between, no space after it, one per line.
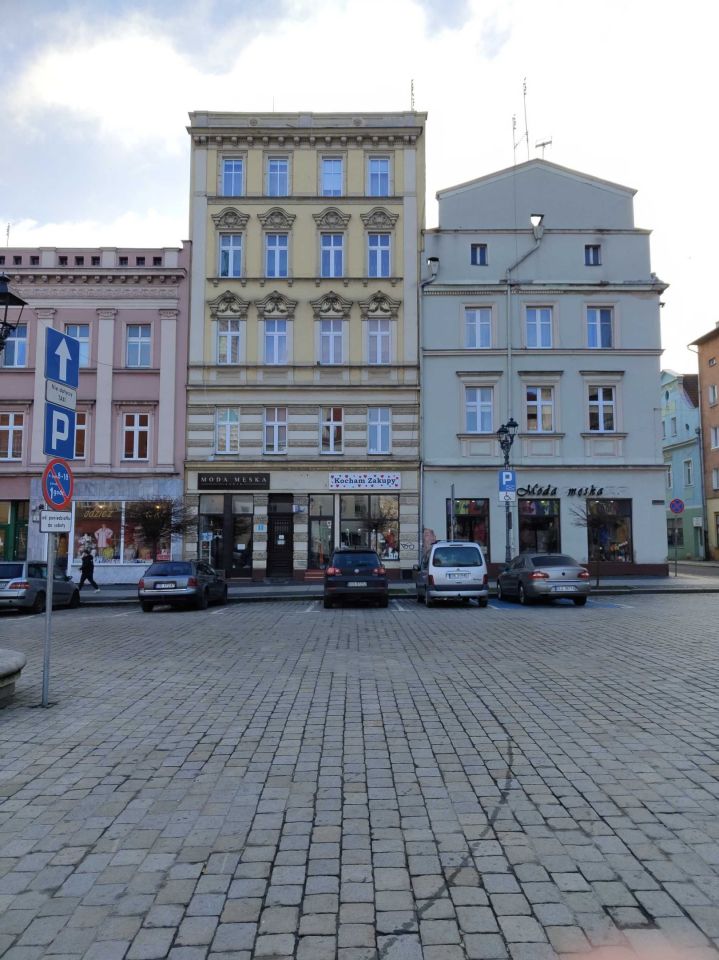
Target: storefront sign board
(233,481)
(365,481)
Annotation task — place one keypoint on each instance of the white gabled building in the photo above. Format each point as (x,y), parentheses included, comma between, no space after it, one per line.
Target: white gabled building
(543,309)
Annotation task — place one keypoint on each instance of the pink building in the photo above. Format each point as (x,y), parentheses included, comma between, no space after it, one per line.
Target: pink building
(128,309)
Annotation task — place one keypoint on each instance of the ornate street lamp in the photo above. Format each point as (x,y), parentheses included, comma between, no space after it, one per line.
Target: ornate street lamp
(8,301)
(505,436)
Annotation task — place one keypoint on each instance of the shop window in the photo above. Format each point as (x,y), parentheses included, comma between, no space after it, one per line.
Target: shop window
(609,530)
(97,530)
(321,532)
(539,530)
(471,521)
(370,521)
(675,532)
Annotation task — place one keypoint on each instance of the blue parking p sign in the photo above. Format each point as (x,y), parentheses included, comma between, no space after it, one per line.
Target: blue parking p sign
(507,481)
(59,432)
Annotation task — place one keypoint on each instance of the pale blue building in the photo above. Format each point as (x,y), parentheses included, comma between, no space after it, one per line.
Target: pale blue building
(682,459)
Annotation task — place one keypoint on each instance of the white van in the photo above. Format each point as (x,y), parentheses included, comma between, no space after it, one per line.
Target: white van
(452,570)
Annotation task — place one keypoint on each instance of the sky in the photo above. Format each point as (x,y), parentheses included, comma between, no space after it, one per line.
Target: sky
(95,96)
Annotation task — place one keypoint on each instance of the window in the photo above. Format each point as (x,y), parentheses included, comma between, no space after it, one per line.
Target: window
(670,476)
(592,255)
(94,261)
(712,360)
(136,435)
(138,345)
(378,430)
(379,255)
(673,424)
(62,261)
(230,255)
(11,430)
(15,352)
(664,430)
(378,177)
(139,261)
(157,261)
(675,532)
(478,254)
(609,530)
(378,333)
(331,430)
(232,177)
(276,254)
(81,333)
(80,436)
(227,430)
(34,261)
(331,180)
(688,473)
(712,393)
(79,261)
(228,341)
(714,437)
(599,327)
(275,430)
(370,521)
(715,478)
(331,249)
(478,409)
(275,341)
(17,261)
(471,521)
(478,328)
(601,409)
(278,177)
(2,259)
(540,409)
(539,327)
(330,341)
(123,261)
(539,525)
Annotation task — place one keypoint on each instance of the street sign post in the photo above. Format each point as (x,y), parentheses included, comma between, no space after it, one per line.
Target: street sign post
(57,485)
(62,358)
(677,507)
(53,522)
(62,374)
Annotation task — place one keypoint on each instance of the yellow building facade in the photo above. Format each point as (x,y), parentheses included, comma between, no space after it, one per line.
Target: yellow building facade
(303,375)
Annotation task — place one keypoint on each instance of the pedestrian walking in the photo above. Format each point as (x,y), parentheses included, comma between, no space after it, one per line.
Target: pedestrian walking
(87,571)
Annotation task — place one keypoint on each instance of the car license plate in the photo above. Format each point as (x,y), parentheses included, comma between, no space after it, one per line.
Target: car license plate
(165,586)
(357,583)
(458,576)
(564,589)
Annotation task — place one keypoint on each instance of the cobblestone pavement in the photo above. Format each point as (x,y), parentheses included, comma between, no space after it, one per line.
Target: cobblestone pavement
(279,781)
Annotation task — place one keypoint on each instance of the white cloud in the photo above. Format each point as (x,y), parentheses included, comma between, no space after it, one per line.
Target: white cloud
(151,228)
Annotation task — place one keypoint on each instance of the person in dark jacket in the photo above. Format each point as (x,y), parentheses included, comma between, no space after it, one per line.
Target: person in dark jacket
(87,571)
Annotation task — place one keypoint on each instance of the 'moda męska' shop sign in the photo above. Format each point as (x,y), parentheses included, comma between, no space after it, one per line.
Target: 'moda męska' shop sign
(365,481)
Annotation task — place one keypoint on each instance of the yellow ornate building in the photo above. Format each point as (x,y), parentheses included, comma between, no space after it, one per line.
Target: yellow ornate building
(303,378)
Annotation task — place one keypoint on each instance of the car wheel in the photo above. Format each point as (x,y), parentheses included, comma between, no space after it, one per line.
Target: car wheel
(384,602)
(327,603)
(203,601)
(74,600)
(522,596)
(147,607)
(223,596)
(482,602)
(580,601)
(39,603)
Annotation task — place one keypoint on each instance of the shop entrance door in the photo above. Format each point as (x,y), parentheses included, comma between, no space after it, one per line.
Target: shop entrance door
(279,536)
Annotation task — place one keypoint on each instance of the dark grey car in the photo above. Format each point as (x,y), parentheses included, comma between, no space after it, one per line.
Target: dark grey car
(181,583)
(355,575)
(23,586)
(544,576)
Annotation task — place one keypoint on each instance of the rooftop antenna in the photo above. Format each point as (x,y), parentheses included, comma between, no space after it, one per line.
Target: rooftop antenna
(543,144)
(7,236)
(411,95)
(525,135)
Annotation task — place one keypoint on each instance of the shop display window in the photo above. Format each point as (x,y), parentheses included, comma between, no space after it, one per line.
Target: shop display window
(321,532)
(471,521)
(370,521)
(609,530)
(100,528)
(539,529)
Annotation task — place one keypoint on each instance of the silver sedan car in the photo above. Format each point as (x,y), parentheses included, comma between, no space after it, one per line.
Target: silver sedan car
(181,583)
(544,576)
(23,586)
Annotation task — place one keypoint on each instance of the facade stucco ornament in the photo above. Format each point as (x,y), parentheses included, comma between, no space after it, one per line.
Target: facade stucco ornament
(276,219)
(379,305)
(228,304)
(276,306)
(331,219)
(230,219)
(331,304)
(379,219)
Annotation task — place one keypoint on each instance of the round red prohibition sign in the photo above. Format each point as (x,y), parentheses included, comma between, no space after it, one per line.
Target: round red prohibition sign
(57,484)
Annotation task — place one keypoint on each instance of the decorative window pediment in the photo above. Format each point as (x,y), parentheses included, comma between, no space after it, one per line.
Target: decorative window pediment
(230,219)
(379,305)
(331,305)
(228,304)
(276,305)
(276,219)
(331,218)
(379,219)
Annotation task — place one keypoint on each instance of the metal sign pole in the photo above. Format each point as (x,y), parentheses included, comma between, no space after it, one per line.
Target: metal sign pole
(676,548)
(48,618)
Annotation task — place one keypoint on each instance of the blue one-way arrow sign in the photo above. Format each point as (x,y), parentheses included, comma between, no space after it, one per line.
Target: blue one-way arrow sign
(62,358)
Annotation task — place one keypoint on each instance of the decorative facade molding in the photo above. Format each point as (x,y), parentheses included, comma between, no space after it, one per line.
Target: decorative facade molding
(228,304)
(379,305)
(230,219)
(168,314)
(276,219)
(106,313)
(331,304)
(45,313)
(331,218)
(379,218)
(276,305)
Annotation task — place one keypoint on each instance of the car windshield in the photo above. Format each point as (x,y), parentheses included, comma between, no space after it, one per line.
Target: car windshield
(457,557)
(348,561)
(174,569)
(554,561)
(8,571)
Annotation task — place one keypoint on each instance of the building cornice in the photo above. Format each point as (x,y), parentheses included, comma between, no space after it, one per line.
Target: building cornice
(541,290)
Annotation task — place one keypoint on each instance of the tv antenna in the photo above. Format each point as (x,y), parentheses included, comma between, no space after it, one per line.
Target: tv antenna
(411,95)
(525,136)
(543,144)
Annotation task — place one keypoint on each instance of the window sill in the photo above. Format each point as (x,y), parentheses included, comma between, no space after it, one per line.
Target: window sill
(603,433)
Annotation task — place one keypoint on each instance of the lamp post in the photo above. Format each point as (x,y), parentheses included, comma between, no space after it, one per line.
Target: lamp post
(7,301)
(505,437)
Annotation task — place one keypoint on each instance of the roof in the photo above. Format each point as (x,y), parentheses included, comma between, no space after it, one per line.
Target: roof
(707,337)
(691,387)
